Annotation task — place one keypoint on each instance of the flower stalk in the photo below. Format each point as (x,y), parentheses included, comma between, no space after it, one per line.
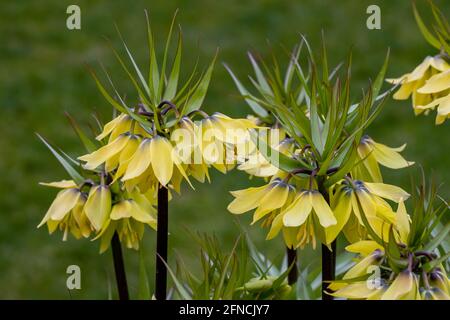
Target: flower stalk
(328,268)
(292,263)
(119,268)
(161,244)
(328,253)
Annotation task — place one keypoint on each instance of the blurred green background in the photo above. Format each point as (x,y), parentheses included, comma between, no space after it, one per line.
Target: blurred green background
(43,74)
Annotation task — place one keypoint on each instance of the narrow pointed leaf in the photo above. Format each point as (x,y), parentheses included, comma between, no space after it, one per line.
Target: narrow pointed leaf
(196,100)
(70,170)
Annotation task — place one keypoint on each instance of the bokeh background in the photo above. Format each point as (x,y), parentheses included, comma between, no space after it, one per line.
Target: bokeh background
(43,74)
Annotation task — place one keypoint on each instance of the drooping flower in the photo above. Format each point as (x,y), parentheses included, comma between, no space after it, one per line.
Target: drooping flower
(305,203)
(412,278)
(257,165)
(121,124)
(113,154)
(153,159)
(439,87)
(371,154)
(217,136)
(297,214)
(427,85)
(98,206)
(265,199)
(81,213)
(128,218)
(354,201)
(66,212)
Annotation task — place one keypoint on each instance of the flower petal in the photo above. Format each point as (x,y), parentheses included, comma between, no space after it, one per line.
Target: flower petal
(96,158)
(436,83)
(387,191)
(274,199)
(98,206)
(364,247)
(140,162)
(322,209)
(63,184)
(62,205)
(161,159)
(246,199)
(297,213)
(342,214)
(389,157)
(402,285)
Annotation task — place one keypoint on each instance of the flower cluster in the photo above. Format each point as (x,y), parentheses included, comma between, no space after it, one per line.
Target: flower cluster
(320,185)
(155,144)
(429,83)
(380,274)
(101,209)
(429,86)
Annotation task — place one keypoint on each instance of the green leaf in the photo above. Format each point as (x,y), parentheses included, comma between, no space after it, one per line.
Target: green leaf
(284,162)
(434,263)
(172,83)
(441,20)
(376,87)
(349,162)
(153,74)
(178,286)
(111,100)
(278,282)
(137,70)
(423,28)
(325,73)
(291,67)
(444,43)
(438,238)
(70,170)
(225,269)
(133,80)
(196,100)
(260,76)
(392,250)
(260,111)
(316,123)
(144,288)
(166,53)
(88,143)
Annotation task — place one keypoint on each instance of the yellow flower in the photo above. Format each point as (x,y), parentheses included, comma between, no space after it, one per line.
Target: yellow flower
(75,212)
(412,82)
(264,199)
(119,125)
(257,165)
(372,153)
(404,287)
(66,212)
(438,86)
(352,197)
(439,286)
(429,84)
(283,210)
(217,137)
(304,204)
(113,154)
(412,283)
(128,218)
(152,162)
(364,247)
(356,289)
(98,206)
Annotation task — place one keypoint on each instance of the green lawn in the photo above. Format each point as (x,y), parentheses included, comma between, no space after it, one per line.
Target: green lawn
(43,74)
